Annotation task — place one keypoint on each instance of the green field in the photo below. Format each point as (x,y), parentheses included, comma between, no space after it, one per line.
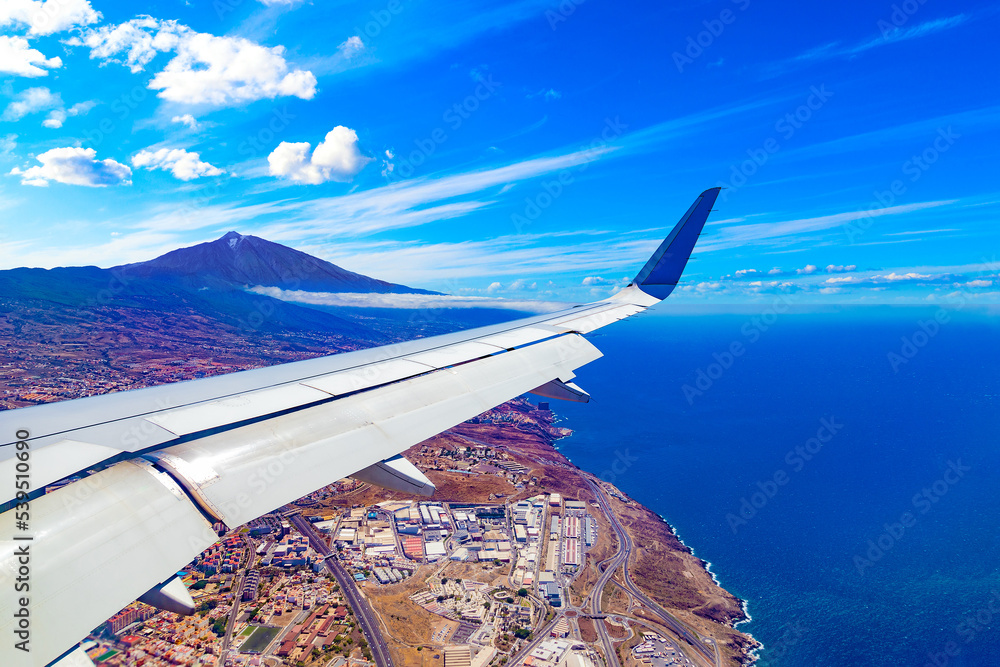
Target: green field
(107,656)
(259,640)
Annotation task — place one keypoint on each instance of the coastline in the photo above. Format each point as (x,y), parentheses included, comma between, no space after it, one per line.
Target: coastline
(663,569)
(752,653)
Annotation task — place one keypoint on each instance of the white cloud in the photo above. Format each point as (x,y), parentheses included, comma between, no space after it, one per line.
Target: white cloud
(227,70)
(548,93)
(179,162)
(139,40)
(82,108)
(494,287)
(911,275)
(835,268)
(351,47)
(808,269)
(33,100)
(521,285)
(336,158)
(591,281)
(186,119)
(48,16)
(29,101)
(207,69)
(57,117)
(74,166)
(387,164)
(760,284)
(17,58)
(408,301)
(891,278)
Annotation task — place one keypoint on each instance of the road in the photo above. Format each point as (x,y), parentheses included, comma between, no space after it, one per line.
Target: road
(621,559)
(608,569)
(362,610)
(237,593)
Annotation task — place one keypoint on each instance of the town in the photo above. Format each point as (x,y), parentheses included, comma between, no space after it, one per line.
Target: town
(262,591)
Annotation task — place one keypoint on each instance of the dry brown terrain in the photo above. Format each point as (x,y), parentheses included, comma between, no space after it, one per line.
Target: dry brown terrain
(677,579)
(616,631)
(408,624)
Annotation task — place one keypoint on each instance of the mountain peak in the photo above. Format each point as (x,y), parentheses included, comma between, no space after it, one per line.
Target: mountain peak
(235,261)
(233,238)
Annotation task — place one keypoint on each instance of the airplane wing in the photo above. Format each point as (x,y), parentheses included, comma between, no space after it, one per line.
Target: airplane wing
(164,464)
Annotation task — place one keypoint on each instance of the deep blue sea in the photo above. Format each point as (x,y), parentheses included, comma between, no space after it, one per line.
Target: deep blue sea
(882,544)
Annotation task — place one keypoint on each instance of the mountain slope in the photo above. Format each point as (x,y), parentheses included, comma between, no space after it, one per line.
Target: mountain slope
(235,261)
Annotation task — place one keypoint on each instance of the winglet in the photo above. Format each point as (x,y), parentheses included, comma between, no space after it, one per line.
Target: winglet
(663,270)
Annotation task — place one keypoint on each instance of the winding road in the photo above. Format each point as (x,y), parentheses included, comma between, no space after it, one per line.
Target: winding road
(626,546)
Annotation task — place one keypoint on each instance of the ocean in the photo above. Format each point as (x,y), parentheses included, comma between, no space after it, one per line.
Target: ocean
(838,469)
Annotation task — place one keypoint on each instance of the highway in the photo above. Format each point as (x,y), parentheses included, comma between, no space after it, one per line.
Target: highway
(237,593)
(607,568)
(621,559)
(362,610)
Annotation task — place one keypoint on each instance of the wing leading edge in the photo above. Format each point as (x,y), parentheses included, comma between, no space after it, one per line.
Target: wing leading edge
(178,458)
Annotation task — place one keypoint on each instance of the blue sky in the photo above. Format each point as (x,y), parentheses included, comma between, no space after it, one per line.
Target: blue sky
(518,150)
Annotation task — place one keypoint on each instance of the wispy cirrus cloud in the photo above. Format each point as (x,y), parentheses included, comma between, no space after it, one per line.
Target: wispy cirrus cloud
(418,201)
(889,35)
(900,34)
(734,236)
